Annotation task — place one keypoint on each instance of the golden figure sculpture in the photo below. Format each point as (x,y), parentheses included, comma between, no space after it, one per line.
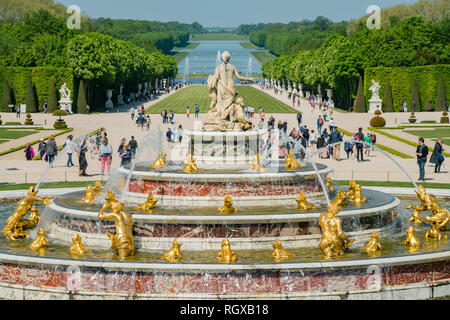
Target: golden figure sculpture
(257,166)
(428,203)
(23,207)
(357,196)
(228,207)
(433,234)
(226,255)
(174,254)
(123,240)
(98,188)
(90,195)
(351,189)
(303,204)
(291,163)
(341,199)
(279,253)
(160,162)
(440,216)
(330,185)
(32,220)
(333,238)
(191,166)
(373,245)
(40,241)
(411,240)
(17,234)
(148,205)
(77,248)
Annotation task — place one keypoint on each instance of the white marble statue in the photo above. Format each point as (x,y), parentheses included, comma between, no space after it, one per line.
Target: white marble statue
(65,93)
(375,88)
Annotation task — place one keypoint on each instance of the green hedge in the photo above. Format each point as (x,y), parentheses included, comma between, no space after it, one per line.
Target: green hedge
(18,77)
(402,79)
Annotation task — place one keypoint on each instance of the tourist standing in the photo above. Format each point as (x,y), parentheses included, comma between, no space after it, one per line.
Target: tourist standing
(42,148)
(82,158)
(368,141)
(263,116)
(29,152)
(332,124)
(18,111)
(312,138)
(188,112)
(125,156)
(180,133)
(359,146)
(132,113)
(299,118)
(334,139)
(348,147)
(422,153)
(405,107)
(51,149)
(285,127)
(141,121)
(306,135)
(69,146)
(105,155)
(319,124)
(197,110)
(437,157)
(133,145)
(169,134)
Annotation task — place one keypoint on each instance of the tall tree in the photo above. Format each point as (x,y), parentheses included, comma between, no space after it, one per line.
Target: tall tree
(6,101)
(415,97)
(441,96)
(31,101)
(81,102)
(52,104)
(388,104)
(360,102)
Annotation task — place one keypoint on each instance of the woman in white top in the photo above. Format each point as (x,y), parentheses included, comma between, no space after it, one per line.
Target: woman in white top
(69,147)
(105,155)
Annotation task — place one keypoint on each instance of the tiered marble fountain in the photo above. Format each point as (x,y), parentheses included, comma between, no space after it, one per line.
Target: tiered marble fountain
(232,221)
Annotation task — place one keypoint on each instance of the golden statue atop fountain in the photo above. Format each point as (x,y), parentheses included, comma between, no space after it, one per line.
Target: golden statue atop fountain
(40,241)
(329,185)
(32,220)
(23,207)
(411,240)
(257,165)
(191,166)
(226,255)
(357,196)
(148,205)
(433,234)
(279,253)
(98,188)
(440,217)
(428,203)
(174,254)
(160,162)
(334,239)
(78,249)
(373,245)
(228,206)
(123,240)
(351,189)
(17,234)
(303,204)
(90,195)
(341,199)
(291,163)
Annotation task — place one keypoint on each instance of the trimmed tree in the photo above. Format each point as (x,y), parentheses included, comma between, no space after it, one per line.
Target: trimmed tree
(388,104)
(52,103)
(81,101)
(441,97)
(6,101)
(415,97)
(31,101)
(360,102)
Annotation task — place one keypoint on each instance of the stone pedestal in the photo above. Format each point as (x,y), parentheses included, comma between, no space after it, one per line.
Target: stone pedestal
(120,99)
(375,104)
(66,104)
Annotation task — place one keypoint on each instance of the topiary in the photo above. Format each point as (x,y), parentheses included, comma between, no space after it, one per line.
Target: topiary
(444,118)
(60,123)
(388,104)
(377,122)
(28,120)
(360,102)
(377,112)
(81,102)
(31,101)
(441,97)
(6,99)
(52,104)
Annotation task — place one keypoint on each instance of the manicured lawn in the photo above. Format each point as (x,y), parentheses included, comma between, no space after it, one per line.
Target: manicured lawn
(199,94)
(250,45)
(3,141)
(179,56)
(15,134)
(47,185)
(191,45)
(432,133)
(263,57)
(225,36)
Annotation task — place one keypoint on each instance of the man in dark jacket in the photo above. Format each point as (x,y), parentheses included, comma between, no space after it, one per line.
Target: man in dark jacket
(422,153)
(359,146)
(334,139)
(51,149)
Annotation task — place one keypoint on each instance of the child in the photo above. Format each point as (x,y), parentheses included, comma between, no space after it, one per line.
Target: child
(29,152)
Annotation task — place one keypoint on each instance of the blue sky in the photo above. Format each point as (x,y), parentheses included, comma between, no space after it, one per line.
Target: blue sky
(229,13)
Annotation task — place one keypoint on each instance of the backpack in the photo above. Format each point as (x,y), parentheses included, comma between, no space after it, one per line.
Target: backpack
(320,121)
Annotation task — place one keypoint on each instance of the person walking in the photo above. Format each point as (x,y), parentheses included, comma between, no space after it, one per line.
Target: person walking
(125,155)
(334,139)
(105,155)
(197,110)
(299,118)
(29,152)
(51,149)
(368,141)
(319,124)
(133,145)
(132,113)
(69,146)
(141,121)
(359,146)
(422,153)
(82,158)
(42,148)
(437,157)
(188,112)
(18,111)
(305,134)
(180,133)
(332,124)
(405,107)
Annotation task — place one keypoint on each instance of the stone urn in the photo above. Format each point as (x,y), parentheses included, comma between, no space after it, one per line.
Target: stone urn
(109,103)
